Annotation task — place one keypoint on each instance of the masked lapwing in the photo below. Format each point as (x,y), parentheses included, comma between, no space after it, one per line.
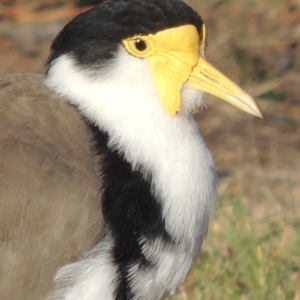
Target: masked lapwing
(106,185)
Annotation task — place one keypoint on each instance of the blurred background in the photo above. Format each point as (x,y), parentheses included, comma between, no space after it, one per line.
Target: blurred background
(253,246)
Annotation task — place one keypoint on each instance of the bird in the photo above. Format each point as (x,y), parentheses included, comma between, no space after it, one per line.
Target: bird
(106,184)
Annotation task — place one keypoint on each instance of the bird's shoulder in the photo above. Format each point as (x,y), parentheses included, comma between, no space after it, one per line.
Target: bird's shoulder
(50,192)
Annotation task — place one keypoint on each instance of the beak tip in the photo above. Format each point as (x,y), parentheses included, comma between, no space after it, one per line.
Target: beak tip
(257,113)
(261,115)
(255,109)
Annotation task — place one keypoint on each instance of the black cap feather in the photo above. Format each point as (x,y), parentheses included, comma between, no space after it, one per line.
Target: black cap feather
(94,36)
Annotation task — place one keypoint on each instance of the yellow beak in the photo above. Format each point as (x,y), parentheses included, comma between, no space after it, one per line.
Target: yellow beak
(208,79)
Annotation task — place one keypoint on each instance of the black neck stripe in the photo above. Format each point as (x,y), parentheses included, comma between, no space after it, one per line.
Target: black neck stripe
(130,211)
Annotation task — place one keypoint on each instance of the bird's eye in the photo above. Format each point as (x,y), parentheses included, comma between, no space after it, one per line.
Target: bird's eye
(140,45)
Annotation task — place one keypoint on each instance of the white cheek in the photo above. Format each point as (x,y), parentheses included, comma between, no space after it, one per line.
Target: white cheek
(191,99)
(126,90)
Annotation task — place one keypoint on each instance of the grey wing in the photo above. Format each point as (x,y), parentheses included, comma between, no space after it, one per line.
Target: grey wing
(50,192)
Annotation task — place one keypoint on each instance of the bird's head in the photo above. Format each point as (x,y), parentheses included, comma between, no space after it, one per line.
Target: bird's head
(138,50)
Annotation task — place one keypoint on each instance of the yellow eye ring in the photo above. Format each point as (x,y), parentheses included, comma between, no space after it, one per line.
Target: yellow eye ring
(137,46)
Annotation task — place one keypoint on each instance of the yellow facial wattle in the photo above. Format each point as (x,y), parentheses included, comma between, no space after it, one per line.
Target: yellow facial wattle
(172,55)
(177,55)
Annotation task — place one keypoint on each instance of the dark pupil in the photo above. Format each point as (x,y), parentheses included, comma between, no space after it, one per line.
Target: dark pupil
(140,45)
